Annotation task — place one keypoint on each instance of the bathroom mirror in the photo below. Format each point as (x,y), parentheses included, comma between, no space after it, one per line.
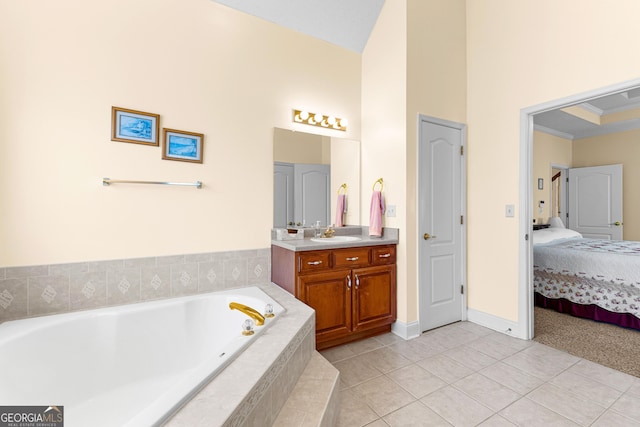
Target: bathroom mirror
(322,164)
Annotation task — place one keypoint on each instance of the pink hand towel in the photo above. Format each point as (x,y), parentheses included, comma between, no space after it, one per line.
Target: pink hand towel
(375,214)
(341,209)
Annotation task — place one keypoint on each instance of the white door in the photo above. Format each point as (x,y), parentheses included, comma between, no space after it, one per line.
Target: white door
(282,194)
(595,201)
(311,194)
(441,246)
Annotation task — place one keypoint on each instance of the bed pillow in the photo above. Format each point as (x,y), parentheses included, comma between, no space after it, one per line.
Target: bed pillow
(556,222)
(548,235)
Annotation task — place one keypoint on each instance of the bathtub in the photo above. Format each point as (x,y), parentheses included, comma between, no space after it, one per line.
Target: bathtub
(131,365)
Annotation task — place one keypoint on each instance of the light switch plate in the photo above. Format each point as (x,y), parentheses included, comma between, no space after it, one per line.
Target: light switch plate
(509,211)
(391,210)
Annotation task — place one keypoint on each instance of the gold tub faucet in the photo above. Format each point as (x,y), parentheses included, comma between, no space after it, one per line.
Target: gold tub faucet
(257,317)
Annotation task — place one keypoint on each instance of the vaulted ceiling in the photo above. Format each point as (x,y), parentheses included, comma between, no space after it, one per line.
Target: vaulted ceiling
(346,23)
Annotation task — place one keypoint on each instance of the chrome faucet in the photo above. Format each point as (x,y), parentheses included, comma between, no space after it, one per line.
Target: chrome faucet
(257,317)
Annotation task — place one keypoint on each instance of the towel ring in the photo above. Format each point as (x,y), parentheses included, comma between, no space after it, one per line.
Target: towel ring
(343,188)
(378,181)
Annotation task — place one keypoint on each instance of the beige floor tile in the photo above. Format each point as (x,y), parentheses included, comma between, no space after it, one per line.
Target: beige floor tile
(353,371)
(490,393)
(378,423)
(384,359)
(336,354)
(470,357)
(497,421)
(456,407)
(635,388)
(586,388)
(612,418)
(475,328)
(512,377)
(363,346)
(551,355)
(534,365)
(612,378)
(516,343)
(415,415)
(628,405)
(354,412)
(526,413)
(446,368)
(417,349)
(493,348)
(416,380)
(390,339)
(383,395)
(567,404)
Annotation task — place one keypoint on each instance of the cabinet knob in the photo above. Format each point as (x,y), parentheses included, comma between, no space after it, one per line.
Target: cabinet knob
(355,258)
(314,262)
(349,281)
(357,281)
(384,255)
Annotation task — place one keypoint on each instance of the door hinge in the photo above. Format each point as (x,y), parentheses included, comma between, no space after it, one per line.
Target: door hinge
(462,289)
(461,219)
(462,150)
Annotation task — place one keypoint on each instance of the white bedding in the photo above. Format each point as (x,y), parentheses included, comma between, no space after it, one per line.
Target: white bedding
(589,271)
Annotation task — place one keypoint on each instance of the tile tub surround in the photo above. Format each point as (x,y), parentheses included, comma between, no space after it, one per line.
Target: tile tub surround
(58,288)
(252,390)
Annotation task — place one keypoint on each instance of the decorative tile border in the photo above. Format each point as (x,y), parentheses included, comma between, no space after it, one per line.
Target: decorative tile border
(58,288)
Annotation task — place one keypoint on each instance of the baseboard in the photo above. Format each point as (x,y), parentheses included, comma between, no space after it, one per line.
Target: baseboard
(406,331)
(498,324)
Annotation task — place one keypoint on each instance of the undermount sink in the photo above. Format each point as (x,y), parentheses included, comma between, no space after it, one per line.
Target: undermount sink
(335,239)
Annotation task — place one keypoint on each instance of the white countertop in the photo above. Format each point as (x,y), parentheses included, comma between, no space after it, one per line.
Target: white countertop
(389,237)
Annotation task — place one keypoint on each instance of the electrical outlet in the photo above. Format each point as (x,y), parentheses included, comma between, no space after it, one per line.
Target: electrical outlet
(391,210)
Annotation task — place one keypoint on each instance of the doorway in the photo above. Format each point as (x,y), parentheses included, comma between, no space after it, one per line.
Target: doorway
(441,205)
(525,261)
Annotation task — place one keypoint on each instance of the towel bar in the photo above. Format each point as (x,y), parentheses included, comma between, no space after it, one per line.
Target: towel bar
(109,181)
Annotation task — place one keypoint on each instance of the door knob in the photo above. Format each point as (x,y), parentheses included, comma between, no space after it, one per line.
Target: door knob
(617,223)
(427,236)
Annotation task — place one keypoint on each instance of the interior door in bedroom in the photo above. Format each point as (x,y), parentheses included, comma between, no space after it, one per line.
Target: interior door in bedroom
(595,201)
(441,233)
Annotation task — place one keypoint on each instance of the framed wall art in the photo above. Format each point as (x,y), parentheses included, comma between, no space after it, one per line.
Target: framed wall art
(134,126)
(182,146)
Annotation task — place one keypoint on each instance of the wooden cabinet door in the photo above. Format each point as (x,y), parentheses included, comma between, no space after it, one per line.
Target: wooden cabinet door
(374,297)
(329,294)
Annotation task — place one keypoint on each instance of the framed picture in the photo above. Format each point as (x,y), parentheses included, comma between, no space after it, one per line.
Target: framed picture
(182,146)
(134,126)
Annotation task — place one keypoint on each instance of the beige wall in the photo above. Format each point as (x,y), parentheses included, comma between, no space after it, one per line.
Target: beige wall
(414,63)
(384,133)
(619,148)
(547,150)
(203,68)
(436,87)
(521,54)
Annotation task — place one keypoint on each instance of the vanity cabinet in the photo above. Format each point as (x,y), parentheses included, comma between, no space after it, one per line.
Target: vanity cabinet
(353,290)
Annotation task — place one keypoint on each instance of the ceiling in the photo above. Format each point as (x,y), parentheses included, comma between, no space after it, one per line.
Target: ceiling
(346,23)
(600,116)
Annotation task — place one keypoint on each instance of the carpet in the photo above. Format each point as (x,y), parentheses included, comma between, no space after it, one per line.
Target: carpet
(608,345)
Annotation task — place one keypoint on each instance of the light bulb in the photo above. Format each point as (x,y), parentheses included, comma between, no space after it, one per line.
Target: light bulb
(304,115)
(331,120)
(318,118)
(344,123)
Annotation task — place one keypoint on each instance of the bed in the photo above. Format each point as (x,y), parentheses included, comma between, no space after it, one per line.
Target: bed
(590,278)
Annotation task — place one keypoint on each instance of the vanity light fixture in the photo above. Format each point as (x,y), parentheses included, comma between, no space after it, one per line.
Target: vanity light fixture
(317,119)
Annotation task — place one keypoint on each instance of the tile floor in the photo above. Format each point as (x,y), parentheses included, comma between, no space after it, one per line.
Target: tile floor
(466,375)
